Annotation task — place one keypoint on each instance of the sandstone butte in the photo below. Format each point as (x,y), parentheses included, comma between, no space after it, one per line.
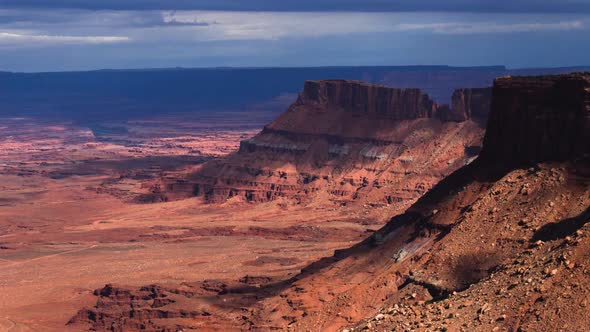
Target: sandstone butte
(499,245)
(345,142)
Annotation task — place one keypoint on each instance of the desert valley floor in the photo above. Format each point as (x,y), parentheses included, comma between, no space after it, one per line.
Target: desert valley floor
(70,221)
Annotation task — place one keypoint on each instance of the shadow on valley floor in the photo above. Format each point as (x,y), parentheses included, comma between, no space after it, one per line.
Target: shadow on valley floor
(145,164)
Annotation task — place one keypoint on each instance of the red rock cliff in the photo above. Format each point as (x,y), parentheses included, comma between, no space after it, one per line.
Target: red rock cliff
(539,118)
(345,141)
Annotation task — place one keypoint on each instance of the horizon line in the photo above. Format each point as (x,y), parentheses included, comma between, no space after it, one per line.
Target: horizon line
(499,67)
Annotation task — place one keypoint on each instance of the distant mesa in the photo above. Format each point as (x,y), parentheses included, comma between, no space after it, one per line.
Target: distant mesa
(128,94)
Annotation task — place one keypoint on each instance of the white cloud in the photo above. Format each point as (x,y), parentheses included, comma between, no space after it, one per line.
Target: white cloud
(36,39)
(486,27)
(277,25)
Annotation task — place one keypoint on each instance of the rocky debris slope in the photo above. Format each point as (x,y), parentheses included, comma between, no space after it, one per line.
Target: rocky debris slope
(514,259)
(345,141)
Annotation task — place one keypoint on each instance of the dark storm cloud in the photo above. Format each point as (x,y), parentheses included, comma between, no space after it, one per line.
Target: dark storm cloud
(506,6)
(10,17)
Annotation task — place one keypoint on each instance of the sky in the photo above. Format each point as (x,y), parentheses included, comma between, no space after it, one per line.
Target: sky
(58,35)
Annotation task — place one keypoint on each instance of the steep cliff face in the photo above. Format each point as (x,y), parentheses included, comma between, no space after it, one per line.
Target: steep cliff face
(539,118)
(345,141)
(367,99)
(337,106)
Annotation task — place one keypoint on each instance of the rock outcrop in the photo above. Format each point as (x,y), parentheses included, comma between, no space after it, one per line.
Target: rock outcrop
(122,309)
(347,141)
(539,118)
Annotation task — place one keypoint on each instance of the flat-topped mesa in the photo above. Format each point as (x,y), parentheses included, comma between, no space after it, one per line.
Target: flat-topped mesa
(348,141)
(364,98)
(535,119)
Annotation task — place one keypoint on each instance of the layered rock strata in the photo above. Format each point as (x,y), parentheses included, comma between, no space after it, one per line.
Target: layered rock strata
(346,141)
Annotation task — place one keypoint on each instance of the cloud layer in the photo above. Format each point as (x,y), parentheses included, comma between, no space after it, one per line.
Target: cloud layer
(37,40)
(70,39)
(205,26)
(493,28)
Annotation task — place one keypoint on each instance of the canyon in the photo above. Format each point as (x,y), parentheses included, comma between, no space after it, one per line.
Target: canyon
(296,166)
(499,244)
(362,207)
